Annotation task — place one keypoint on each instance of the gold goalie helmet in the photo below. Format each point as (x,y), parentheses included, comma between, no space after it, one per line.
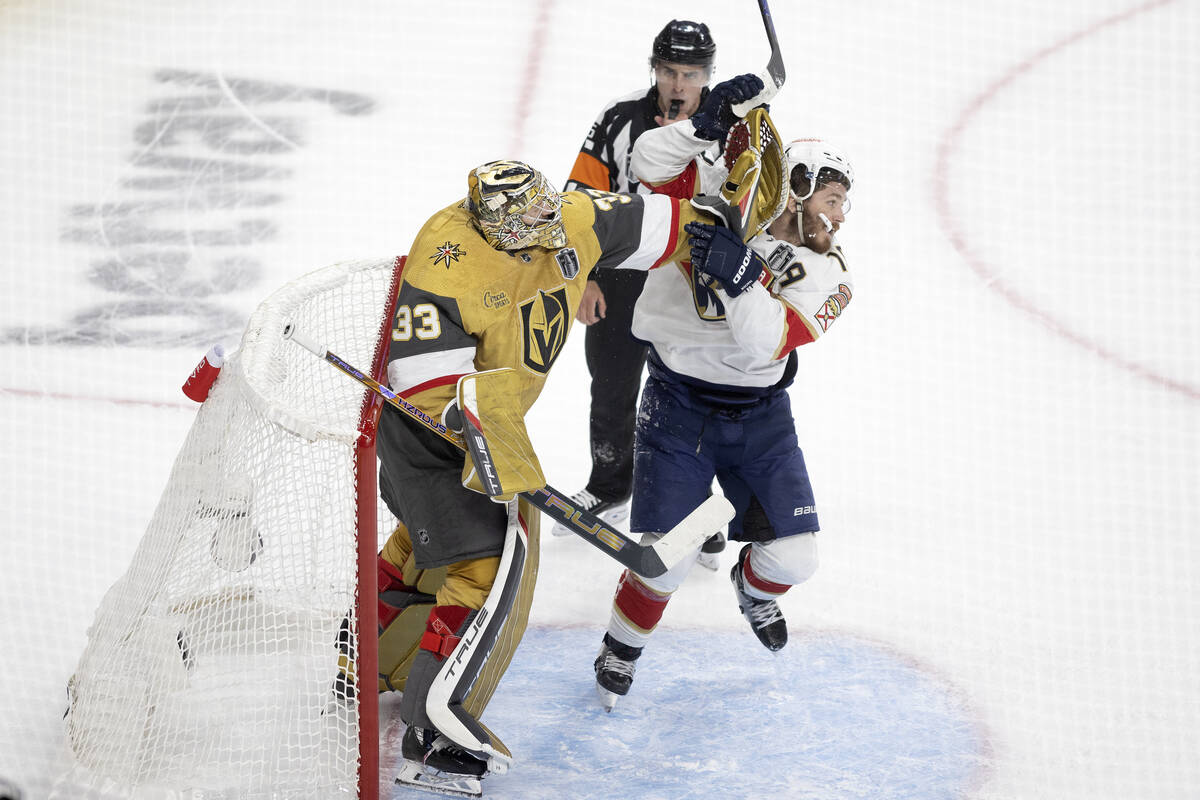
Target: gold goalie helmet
(514,206)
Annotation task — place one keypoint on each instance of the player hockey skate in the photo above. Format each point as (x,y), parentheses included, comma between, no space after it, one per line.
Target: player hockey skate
(615,664)
(764,616)
(614,512)
(434,763)
(710,552)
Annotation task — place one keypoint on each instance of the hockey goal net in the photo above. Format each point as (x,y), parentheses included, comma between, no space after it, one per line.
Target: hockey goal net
(212,666)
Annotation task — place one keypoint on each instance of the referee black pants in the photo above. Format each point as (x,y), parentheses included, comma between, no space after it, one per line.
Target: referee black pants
(615,360)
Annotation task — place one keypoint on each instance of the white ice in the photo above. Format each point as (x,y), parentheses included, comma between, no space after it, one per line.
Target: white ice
(1002,431)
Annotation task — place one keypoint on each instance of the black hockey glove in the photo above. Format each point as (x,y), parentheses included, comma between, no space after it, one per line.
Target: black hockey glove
(714,118)
(720,253)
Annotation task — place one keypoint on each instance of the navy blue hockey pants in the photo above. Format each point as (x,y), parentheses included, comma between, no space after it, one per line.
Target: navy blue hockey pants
(683,441)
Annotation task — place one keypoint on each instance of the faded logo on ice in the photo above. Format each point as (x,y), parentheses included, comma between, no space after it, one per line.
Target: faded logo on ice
(183,226)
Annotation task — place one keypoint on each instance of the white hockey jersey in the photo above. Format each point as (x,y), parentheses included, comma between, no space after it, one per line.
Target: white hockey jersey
(698,330)
(604,159)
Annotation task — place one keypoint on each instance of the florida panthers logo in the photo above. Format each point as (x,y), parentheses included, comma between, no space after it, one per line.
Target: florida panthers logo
(834,306)
(544,322)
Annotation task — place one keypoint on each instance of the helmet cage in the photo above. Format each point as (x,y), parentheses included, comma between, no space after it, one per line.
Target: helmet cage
(515,207)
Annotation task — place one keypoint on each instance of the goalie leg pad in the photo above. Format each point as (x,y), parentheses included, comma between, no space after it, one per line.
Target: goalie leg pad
(406,595)
(399,644)
(448,693)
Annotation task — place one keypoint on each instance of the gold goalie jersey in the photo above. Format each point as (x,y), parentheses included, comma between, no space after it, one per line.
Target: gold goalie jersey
(465,307)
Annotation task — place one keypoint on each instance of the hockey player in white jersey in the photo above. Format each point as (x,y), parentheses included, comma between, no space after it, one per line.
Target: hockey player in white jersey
(723,330)
(681,60)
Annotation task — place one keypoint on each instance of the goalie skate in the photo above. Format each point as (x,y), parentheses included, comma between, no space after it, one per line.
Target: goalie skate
(421,776)
(434,763)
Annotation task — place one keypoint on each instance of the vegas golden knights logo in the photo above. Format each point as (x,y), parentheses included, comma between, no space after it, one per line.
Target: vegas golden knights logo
(544,321)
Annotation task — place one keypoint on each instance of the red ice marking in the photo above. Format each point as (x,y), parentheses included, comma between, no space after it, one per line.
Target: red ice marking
(75,398)
(531,73)
(990,275)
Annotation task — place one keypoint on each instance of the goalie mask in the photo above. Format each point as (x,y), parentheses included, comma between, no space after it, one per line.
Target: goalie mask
(813,163)
(514,206)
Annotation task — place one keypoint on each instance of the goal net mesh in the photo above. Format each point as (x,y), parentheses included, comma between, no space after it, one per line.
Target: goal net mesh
(213,663)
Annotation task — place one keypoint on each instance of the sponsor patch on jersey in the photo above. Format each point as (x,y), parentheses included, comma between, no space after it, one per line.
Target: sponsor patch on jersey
(568,262)
(544,322)
(447,253)
(495,299)
(834,305)
(780,257)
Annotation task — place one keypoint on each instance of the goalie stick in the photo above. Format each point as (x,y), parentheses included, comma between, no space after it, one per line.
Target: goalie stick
(649,561)
(774,75)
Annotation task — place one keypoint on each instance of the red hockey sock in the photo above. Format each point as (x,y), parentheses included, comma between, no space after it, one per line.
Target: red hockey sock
(640,605)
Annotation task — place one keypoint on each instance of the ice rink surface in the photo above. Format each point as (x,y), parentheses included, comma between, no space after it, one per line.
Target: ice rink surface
(1003,432)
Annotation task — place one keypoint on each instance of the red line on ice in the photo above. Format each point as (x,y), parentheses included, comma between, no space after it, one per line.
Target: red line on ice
(990,275)
(529,76)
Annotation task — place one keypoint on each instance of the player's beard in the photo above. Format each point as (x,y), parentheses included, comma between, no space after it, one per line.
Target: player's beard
(815,235)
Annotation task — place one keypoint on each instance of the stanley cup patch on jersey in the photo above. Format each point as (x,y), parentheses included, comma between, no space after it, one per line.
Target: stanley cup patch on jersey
(544,322)
(780,257)
(568,262)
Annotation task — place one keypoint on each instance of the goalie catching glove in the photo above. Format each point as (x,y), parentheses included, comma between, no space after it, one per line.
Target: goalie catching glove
(758,181)
(720,252)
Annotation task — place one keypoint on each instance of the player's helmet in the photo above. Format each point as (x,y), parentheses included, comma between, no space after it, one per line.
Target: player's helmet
(684,42)
(815,162)
(514,206)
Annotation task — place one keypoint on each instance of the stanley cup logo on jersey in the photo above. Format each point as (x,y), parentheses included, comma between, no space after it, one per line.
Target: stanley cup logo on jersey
(568,262)
(544,321)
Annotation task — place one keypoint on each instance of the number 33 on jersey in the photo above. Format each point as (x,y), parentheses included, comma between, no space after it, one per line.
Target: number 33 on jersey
(465,307)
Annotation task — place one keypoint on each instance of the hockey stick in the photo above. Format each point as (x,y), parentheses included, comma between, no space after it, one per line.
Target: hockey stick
(774,75)
(649,561)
